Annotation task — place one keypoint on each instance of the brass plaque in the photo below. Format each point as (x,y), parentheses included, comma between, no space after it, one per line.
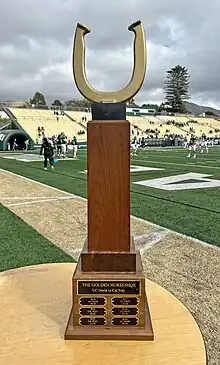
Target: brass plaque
(92,301)
(124,311)
(125,301)
(84,311)
(124,321)
(92,321)
(108,287)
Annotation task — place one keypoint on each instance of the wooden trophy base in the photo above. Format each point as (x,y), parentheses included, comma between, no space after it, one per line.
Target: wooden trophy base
(109,298)
(79,333)
(109,306)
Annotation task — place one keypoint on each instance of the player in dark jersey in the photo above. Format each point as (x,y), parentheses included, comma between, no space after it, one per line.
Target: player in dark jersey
(192,146)
(47,148)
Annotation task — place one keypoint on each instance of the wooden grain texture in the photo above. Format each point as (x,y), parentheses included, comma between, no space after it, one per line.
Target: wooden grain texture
(109,186)
(115,261)
(108,261)
(141,331)
(34,309)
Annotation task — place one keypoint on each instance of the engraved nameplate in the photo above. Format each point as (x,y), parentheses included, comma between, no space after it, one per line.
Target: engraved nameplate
(108,287)
(124,311)
(92,321)
(124,321)
(125,301)
(92,301)
(84,311)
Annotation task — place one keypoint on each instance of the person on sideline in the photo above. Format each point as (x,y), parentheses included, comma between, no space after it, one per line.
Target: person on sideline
(48,153)
(75,147)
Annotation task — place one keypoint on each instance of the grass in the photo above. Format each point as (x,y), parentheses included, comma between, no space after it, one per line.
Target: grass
(192,212)
(21,245)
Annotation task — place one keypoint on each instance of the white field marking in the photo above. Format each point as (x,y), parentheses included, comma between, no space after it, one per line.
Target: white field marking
(37,158)
(142,242)
(61,159)
(134,168)
(193,239)
(42,184)
(41,201)
(13,154)
(177,163)
(31,197)
(146,241)
(168,182)
(9,157)
(201,156)
(73,252)
(181,235)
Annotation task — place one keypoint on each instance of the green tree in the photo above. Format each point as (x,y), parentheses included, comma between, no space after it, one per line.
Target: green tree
(38,99)
(176,87)
(57,103)
(149,106)
(209,112)
(131,103)
(78,103)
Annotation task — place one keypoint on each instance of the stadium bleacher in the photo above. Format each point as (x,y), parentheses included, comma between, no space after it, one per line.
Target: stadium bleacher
(74,123)
(31,119)
(79,116)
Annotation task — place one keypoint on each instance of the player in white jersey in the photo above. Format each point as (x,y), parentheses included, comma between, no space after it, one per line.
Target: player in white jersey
(185,144)
(204,144)
(75,147)
(212,142)
(134,146)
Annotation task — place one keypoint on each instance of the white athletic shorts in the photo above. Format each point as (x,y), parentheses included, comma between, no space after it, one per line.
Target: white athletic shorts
(63,148)
(192,148)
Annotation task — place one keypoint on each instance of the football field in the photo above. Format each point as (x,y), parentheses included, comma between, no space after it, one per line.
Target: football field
(175,212)
(167,188)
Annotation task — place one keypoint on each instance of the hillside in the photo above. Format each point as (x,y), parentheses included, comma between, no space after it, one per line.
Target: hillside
(199,109)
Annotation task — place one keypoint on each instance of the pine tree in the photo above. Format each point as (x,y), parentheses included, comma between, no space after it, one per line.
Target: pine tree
(38,99)
(176,87)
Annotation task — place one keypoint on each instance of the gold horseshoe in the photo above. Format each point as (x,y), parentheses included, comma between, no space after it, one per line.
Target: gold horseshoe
(139,68)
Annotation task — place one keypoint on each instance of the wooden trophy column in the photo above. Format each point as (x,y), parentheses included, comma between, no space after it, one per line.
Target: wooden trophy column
(109,198)
(109,299)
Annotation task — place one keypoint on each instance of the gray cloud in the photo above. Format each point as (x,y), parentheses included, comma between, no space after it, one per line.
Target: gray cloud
(36,40)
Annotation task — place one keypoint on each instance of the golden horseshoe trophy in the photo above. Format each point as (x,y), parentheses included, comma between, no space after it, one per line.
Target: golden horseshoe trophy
(109,300)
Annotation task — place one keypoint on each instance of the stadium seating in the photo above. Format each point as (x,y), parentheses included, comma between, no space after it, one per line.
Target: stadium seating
(79,116)
(209,122)
(155,124)
(31,119)
(74,122)
(200,126)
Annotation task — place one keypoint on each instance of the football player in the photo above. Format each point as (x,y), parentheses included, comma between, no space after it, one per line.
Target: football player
(192,146)
(204,144)
(134,146)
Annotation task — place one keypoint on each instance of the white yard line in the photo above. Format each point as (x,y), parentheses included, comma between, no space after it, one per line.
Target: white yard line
(193,239)
(146,241)
(175,163)
(143,242)
(205,244)
(41,184)
(30,197)
(33,202)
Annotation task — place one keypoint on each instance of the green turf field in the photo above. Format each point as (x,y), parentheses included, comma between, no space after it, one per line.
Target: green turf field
(21,245)
(194,212)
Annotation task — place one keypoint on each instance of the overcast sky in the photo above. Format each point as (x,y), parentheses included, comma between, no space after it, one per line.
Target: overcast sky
(36,39)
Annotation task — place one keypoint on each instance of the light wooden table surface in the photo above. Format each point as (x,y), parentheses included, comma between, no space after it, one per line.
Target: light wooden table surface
(34,306)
